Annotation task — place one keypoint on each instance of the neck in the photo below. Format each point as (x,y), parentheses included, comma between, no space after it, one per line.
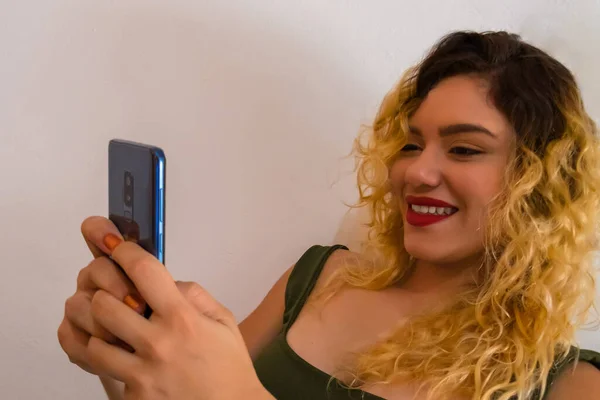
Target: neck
(435,278)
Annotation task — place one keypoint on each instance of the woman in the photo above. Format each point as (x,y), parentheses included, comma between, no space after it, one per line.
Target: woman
(482,175)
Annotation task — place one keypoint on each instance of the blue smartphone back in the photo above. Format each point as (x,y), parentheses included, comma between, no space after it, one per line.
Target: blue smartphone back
(136,193)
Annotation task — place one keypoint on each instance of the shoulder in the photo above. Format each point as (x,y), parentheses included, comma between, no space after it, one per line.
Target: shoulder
(266,321)
(262,324)
(322,261)
(339,258)
(579,381)
(315,268)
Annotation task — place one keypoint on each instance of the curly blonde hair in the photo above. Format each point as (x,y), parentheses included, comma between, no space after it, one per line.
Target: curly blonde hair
(500,339)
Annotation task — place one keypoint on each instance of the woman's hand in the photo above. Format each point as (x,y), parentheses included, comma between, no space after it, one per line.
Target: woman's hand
(101,274)
(190,348)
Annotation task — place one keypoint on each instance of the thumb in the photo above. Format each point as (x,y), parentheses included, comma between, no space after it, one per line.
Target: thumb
(204,303)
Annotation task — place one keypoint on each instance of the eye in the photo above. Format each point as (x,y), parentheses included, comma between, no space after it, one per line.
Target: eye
(464,151)
(410,147)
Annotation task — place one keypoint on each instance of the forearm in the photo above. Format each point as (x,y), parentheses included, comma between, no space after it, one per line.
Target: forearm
(113,388)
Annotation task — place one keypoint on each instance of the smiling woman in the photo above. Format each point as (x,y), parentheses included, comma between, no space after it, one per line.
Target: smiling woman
(482,175)
(457,150)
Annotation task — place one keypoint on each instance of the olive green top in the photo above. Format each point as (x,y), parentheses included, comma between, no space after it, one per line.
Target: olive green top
(287,376)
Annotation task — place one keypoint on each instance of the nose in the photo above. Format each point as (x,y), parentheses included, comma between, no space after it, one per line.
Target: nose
(424,170)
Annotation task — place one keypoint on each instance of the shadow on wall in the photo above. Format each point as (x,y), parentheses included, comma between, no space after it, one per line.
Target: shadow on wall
(353,230)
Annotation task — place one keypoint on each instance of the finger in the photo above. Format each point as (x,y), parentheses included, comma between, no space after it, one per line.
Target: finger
(79,317)
(113,361)
(121,320)
(94,229)
(74,342)
(204,303)
(149,276)
(78,313)
(103,273)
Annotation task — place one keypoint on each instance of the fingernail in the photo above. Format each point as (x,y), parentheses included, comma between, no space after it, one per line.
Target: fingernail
(133,303)
(111,241)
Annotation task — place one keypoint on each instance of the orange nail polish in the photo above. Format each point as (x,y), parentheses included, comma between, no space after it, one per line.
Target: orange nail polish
(111,241)
(133,303)
(130,301)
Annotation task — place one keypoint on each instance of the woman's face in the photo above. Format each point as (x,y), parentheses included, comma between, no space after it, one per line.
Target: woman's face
(450,169)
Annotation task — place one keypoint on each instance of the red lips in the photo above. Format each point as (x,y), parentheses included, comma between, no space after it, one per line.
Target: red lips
(427,201)
(417,219)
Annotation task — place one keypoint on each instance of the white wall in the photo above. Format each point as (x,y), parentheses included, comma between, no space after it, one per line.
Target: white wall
(254,103)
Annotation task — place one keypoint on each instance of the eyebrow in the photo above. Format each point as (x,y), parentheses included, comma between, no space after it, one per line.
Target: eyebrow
(456,129)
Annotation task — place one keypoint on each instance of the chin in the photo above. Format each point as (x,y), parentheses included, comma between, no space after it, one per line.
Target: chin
(425,253)
(443,253)
(434,252)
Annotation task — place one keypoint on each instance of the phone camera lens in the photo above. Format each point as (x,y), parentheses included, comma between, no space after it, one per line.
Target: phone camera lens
(128,189)
(128,200)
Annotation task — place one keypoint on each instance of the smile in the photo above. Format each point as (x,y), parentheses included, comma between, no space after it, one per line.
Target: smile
(432,210)
(423,211)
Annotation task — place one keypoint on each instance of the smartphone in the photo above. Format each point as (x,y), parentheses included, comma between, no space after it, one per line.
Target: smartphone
(136,194)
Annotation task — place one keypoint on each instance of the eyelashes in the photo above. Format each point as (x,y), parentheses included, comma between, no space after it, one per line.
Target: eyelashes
(457,150)
(410,147)
(464,151)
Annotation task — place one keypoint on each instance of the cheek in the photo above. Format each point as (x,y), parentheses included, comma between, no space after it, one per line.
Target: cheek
(397,176)
(478,189)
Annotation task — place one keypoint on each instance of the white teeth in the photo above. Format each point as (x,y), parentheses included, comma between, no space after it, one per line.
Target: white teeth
(431,210)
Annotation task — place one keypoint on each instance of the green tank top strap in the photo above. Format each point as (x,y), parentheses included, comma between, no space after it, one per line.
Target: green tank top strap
(303,278)
(591,356)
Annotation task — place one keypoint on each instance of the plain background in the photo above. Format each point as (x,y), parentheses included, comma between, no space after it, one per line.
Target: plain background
(255,104)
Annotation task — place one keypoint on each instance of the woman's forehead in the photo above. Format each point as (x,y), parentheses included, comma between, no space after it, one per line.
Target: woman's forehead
(460,100)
